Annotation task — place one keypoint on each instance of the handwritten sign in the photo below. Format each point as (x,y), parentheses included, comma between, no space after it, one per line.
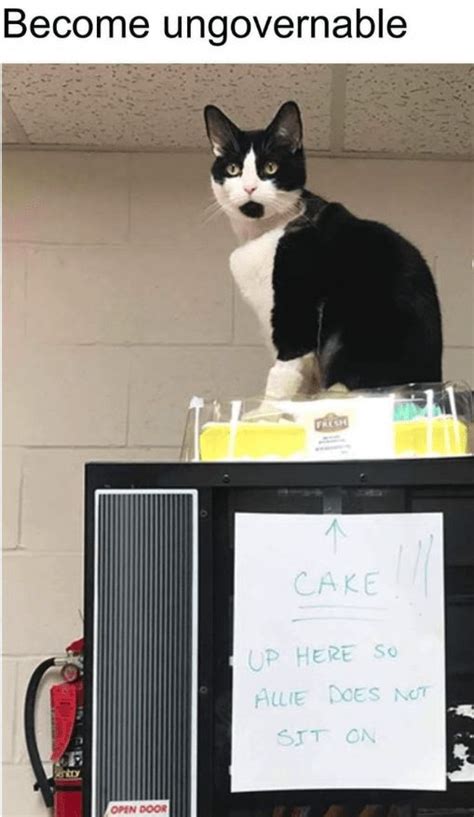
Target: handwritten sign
(338,664)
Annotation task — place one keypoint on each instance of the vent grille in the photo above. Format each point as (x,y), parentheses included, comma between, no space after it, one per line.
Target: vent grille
(144,684)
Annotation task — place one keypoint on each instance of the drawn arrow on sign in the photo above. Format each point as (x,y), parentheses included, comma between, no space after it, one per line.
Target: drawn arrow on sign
(336,530)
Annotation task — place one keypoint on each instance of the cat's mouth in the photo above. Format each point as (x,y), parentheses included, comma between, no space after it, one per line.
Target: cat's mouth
(252,209)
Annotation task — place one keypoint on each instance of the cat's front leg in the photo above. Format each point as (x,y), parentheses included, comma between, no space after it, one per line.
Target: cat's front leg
(289,378)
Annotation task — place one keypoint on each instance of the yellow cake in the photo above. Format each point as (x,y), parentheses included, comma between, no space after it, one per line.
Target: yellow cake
(441,436)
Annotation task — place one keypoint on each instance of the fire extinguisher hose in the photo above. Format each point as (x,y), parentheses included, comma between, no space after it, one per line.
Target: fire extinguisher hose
(30,736)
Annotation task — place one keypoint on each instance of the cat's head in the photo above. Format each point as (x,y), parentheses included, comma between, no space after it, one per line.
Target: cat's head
(257,174)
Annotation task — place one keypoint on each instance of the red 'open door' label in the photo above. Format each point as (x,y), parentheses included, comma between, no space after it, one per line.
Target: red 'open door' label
(118,808)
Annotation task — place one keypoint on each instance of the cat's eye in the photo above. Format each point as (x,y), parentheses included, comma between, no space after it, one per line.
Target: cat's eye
(270,168)
(233,169)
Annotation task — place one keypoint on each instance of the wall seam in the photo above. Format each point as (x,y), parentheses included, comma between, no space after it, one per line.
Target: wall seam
(20,501)
(15,705)
(129,400)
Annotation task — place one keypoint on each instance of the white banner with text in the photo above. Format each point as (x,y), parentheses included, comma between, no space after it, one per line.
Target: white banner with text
(306,31)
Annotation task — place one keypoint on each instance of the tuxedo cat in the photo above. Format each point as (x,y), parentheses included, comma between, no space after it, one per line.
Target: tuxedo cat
(342,300)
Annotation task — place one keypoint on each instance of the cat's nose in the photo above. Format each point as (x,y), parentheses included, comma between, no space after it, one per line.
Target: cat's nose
(250,188)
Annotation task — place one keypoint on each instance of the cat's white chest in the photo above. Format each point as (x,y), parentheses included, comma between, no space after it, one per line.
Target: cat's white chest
(252,269)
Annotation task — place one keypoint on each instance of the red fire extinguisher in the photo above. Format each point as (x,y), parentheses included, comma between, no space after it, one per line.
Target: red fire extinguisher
(63,791)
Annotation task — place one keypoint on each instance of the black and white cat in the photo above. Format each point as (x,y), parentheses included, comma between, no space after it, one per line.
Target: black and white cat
(342,300)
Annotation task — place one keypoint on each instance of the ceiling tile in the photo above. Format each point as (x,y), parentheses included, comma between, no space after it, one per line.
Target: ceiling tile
(160,106)
(401,110)
(409,109)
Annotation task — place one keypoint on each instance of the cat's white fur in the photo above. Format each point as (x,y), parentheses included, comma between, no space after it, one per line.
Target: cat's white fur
(252,263)
(251,266)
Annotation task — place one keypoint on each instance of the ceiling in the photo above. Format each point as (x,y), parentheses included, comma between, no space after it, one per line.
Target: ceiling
(411,111)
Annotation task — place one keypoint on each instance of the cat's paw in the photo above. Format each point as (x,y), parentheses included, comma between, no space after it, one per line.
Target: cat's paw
(288,379)
(339,387)
(265,411)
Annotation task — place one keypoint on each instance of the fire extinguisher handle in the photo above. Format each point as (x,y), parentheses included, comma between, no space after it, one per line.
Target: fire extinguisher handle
(36,786)
(42,782)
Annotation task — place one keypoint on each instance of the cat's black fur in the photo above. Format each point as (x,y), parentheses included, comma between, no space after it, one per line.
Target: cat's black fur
(351,290)
(358,281)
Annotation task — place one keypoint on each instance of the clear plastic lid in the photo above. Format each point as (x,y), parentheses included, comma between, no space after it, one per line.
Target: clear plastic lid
(414,420)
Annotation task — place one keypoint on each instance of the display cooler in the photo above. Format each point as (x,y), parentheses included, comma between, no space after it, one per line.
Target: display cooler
(159,621)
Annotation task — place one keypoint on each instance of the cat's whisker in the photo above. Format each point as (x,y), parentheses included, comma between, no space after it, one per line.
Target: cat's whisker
(212,217)
(208,216)
(220,209)
(214,205)
(211,211)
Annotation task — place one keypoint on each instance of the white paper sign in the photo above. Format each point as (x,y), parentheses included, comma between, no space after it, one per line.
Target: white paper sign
(339,660)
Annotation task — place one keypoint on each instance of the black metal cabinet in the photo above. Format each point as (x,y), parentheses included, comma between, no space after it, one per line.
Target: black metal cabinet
(199,700)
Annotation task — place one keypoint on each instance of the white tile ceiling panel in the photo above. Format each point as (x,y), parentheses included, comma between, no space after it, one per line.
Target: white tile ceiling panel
(159,106)
(412,109)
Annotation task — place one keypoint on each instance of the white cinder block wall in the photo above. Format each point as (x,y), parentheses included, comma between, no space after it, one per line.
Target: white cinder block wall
(118,306)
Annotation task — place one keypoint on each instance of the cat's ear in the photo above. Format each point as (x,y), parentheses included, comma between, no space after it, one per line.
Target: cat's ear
(286,129)
(222,133)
